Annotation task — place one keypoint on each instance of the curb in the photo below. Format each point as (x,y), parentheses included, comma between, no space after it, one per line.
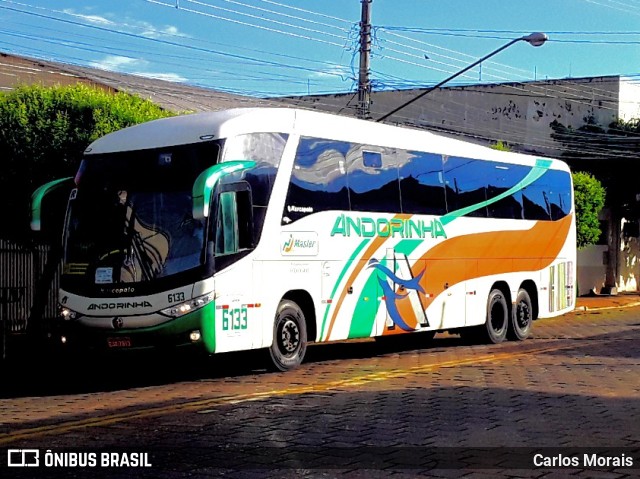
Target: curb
(600,308)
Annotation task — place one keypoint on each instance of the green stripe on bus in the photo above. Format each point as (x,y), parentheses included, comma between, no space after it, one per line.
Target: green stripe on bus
(346,267)
(541,167)
(362,324)
(366,310)
(208,326)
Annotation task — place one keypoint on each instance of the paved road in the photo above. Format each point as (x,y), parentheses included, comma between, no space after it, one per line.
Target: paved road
(569,393)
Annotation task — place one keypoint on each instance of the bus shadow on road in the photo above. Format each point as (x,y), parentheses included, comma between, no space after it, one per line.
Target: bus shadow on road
(80,373)
(47,374)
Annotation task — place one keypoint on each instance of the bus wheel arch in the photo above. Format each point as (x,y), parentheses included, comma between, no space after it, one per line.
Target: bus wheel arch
(291,331)
(303,299)
(524,312)
(498,313)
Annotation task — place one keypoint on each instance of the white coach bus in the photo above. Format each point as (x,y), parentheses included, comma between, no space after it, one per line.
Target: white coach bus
(274,227)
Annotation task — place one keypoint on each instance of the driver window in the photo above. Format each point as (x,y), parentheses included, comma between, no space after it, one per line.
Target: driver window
(233,225)
(227,228)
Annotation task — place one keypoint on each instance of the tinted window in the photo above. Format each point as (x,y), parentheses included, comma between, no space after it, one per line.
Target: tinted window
(466,183)
(506,176)
(266,150)
(422,184)
(549,198)
(331,175)
(373,180)
(318,180)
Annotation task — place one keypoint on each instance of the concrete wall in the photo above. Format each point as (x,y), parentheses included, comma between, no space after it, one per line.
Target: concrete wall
(629,106)
(591,269)
(518,113)
(628,271)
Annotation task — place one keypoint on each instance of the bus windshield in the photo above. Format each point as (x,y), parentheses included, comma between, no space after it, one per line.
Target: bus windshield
(130,219)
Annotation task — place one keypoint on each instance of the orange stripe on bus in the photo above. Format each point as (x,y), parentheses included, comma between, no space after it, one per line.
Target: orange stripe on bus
(483,254)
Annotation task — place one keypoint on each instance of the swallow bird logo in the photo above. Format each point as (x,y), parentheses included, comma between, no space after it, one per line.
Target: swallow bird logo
(390,295)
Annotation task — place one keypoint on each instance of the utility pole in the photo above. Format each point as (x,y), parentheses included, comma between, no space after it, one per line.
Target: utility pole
(364,85)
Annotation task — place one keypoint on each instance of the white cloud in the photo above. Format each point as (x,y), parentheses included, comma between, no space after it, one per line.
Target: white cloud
(134,66)
(134,26)
(95,19)
(332,71)
(172,77)
(149,30)
(117,63)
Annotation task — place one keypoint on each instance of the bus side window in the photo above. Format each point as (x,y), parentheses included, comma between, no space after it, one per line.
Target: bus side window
(373,183)
(234,223)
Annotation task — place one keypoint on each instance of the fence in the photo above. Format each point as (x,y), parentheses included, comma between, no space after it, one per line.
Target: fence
(28,289)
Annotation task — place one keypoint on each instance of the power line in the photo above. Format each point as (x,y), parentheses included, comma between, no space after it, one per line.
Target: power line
(261,60)
(239,22)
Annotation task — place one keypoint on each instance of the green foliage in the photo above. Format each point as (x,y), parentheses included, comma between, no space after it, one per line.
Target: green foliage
(500,146)
(44,131)
(589,200)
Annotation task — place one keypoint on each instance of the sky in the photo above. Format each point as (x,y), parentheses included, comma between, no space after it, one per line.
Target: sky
(266,48)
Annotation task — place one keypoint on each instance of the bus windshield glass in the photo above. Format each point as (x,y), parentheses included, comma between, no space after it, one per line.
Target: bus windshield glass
(130,219)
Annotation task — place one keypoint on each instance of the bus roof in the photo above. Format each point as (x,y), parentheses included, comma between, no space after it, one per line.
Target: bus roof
(207,126)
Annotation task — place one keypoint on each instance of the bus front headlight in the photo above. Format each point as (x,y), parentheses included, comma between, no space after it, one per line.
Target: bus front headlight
(194,304)
(67,314)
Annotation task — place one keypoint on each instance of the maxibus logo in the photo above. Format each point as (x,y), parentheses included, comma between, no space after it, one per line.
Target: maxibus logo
(299,243)
(404,228)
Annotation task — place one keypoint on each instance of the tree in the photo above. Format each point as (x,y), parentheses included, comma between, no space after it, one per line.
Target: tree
(589,200)
(500,146)
(44,132)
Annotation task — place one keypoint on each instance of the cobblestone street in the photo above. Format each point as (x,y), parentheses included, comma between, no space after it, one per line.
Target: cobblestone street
(352,410)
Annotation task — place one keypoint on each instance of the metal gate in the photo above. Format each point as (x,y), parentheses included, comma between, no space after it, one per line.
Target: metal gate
(28,289)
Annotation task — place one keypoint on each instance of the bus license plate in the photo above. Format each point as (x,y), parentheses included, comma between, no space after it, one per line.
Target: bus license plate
(119,342)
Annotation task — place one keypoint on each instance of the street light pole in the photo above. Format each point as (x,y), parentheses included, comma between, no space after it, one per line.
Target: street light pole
(364,84)
(534,39)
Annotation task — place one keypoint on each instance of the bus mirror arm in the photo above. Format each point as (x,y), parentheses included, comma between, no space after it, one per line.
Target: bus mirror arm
(38,196)
(204,185)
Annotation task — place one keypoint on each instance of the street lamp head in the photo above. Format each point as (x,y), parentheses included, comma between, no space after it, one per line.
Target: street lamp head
(535,39)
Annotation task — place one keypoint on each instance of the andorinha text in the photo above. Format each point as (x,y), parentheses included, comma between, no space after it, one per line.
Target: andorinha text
(401,227)
(133,304)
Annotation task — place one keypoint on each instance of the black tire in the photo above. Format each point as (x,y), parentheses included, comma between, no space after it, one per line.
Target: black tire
(522,317)
(497,323)
(289,337)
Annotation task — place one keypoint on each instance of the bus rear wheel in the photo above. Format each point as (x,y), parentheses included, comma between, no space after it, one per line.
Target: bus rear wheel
(289,337)
(522,317)
(497,322)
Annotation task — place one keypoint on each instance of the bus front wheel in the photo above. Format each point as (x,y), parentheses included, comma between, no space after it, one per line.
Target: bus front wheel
(289,337)
(497,317)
